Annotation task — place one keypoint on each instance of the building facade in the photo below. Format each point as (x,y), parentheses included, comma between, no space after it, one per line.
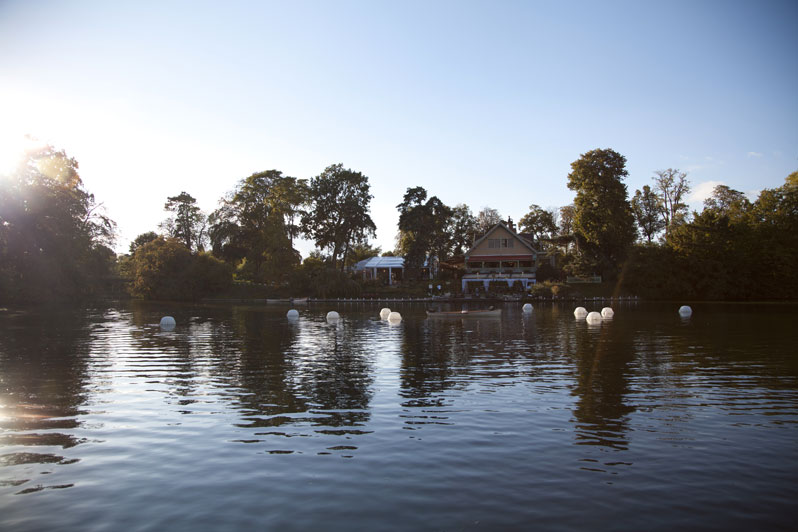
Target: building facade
(500,256)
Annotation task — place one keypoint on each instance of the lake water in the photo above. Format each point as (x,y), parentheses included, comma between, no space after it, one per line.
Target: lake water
(240,418)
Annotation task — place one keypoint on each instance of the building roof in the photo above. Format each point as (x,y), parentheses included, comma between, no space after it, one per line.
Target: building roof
(380,262)
(492,229)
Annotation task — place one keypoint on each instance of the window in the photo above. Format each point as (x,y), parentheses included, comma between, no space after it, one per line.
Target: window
(507,242)
(493,242)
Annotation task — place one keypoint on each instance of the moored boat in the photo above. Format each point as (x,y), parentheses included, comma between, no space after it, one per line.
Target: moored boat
(481,313)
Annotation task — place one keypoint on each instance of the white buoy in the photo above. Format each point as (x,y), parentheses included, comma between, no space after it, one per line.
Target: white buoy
(384,313)
(527,307)
(394,317)
(168,323)
(333,316)
(292,314)
(593,317)
(685,311)
(580,312)
(607,312)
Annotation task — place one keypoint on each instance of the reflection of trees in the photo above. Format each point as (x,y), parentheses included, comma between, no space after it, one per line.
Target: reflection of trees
(270,368)
(44,381)
(602,355)
(432,352)
(260,364)
(338,376)
(288,368)
(176,357)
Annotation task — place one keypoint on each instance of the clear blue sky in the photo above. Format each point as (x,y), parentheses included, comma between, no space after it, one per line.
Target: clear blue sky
(483,103)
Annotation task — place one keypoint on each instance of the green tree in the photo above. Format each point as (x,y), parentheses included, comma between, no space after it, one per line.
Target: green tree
(672,186)
(728,202)
(462,229)
(54,236)
(539,223)
(287,198)
(249,229)
(142,239)
(165,269)
(338,216)
(423,229)
(486,219)
(565,228)
(647,208)
(188,223)
(603,222)
(360,252)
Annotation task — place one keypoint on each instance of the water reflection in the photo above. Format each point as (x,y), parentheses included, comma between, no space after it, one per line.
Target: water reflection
(529,406)
(45,382)
(602,355)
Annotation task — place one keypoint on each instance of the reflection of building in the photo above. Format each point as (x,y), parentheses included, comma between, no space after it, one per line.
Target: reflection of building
(390,268)
(501,255)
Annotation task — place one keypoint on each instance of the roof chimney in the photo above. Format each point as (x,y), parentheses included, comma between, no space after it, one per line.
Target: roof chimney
(510,224)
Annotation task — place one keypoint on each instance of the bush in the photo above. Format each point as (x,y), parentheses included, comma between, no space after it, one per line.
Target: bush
(166,269)
(316,279)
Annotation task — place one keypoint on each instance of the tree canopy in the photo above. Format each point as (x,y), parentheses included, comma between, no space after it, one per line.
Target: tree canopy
(486,219)
(424,228)
(249,228)
(188,223)
(538,222)
(671,187)
(338,216)
(603,221)
(54,236)
(647,208)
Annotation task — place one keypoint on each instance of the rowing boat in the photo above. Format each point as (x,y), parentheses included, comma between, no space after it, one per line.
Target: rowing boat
(484,313)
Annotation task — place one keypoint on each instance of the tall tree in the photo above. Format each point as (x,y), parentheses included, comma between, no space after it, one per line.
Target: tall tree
(486,219)
(567,214)
(462,229)
(54,236)
(338,216)
(727,201)
(288,198)
(647,208)
(423,228)
(672,186)
(603,223)
(538,222)
(249,229)
(188,223)
(142,239)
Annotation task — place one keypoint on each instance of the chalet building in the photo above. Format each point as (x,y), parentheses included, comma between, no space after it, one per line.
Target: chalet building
(501,255)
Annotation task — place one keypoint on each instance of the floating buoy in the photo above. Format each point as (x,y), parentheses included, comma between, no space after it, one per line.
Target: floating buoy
(527,307)
(292,314)
(593,317)
(395,317)
(384,313)
(607,312)
(333,316)
(580,312)
(168,323)
(685,311)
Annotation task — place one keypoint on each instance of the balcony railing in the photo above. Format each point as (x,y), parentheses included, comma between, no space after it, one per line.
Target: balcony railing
(517,274)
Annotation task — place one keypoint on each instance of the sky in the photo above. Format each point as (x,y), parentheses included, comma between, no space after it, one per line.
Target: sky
(484,103)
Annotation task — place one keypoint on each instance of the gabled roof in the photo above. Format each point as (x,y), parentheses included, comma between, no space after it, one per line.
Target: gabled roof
(492,229)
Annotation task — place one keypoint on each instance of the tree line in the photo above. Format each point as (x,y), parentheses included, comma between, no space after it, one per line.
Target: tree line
(55,239)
